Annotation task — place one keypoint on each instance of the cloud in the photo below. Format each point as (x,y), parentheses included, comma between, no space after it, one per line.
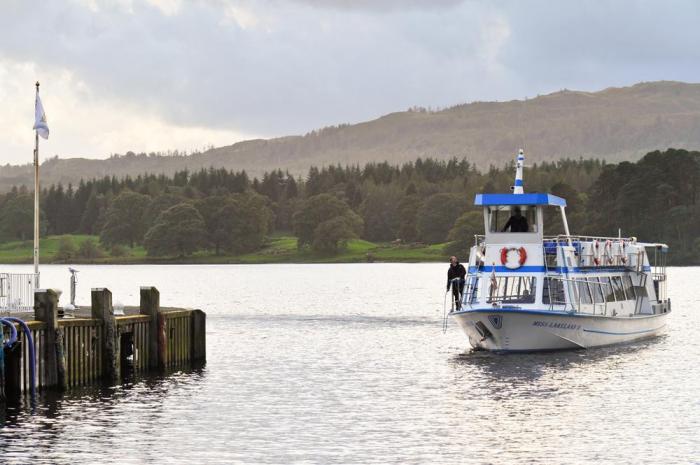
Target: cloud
(381,5)
(216,69)
(84,123)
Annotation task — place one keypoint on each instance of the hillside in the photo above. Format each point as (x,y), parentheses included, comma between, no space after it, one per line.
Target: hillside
(614,124)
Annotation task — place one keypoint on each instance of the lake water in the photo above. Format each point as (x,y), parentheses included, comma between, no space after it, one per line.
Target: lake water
(348,364)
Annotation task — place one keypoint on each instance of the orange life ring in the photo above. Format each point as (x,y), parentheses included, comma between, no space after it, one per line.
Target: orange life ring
(522,257)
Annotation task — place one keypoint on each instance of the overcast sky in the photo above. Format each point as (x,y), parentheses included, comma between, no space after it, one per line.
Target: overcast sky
(148,75)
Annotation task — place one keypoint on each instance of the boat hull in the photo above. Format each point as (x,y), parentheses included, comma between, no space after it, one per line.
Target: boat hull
(502,330)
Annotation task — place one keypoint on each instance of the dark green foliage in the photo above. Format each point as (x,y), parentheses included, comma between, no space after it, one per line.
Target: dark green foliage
(66,250)
(158,205)
(461,236)
(436,216)
(656,199)
(210,208)
(118,251)
(17,217)
(408,213)
(332,235)
(380,213)
(242,223)
(92,212)
(178,231)
(89,249)
(427,200)
(575,211)
(124,220)
(325,222)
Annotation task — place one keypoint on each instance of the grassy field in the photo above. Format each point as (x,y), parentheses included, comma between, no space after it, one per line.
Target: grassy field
(278,249)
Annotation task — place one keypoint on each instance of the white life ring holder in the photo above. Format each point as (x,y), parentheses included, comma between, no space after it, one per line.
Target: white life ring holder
(506,252)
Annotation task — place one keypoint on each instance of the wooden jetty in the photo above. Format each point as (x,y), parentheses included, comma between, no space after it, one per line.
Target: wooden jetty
(97,346)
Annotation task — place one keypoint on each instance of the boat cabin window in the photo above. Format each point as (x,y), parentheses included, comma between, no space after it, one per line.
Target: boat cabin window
(618,289)
(597,291)
(519,218)
(608,290)
(553,291)
(612,289)
(584,292)
(512,289)
(629,288)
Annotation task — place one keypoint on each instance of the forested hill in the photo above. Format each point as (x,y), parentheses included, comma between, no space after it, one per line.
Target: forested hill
(213,213)
(615,124)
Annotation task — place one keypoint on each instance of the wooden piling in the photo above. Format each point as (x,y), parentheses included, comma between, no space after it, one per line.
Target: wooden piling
(162,341)
(2,370)
(78,351)
(13,374)
(102,310)
(46,310)
(199,339)
(150,305)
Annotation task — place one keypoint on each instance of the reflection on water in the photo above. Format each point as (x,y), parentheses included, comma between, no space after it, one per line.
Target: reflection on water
(357,370)
(530,366)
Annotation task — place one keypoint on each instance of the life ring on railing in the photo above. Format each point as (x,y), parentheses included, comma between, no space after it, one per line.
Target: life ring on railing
(513,264)
(596,252)
(607,252)
(623,255)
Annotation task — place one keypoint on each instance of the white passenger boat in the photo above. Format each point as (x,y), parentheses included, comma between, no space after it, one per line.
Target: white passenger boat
(525,291)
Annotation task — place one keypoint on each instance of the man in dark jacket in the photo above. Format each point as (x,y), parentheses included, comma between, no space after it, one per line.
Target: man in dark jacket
(455,279)
(517,222)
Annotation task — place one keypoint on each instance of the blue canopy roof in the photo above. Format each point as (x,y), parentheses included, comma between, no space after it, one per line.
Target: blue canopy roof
(519,199)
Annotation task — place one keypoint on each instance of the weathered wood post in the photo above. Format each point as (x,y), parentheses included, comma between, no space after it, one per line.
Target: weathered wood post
(102,309)
(162,341)
(2,369)
(150,305)
(13,370)
(46,310)
(199,341)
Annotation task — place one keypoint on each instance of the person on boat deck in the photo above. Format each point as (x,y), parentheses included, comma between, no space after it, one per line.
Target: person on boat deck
(517,222)
(456,271)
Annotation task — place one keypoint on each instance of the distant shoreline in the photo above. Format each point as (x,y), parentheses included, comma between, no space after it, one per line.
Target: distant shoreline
(277,250)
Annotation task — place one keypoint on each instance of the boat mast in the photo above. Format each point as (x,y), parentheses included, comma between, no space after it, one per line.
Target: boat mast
(519,162)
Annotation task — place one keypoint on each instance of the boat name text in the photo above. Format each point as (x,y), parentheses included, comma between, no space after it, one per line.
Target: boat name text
(554,324)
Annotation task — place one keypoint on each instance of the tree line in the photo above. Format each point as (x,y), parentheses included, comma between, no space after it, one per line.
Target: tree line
(425,201)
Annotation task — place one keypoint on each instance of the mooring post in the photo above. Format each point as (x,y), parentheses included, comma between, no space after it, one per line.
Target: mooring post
(163,361)
(10,378)
(101,300)
(199,341)
(150,305)
(13,370)
(46,310)
(2,368)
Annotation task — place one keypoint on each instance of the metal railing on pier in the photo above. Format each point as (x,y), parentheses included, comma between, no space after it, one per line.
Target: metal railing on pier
(17,292)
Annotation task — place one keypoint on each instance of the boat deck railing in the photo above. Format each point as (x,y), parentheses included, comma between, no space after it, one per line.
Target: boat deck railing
(575,288)
(563,239)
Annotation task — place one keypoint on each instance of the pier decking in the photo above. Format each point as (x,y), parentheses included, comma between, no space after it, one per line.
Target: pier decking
(96,345)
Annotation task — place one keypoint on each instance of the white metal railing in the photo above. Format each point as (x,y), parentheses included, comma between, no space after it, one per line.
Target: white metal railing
(572,287)
(17,292)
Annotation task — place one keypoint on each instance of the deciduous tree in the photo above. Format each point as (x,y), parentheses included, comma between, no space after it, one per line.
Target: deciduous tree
(178,231)
(124,222)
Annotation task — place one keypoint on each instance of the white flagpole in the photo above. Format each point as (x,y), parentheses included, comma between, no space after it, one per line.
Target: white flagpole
(36,200)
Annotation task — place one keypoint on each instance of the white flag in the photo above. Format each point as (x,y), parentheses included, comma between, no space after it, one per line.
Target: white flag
(40,118)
